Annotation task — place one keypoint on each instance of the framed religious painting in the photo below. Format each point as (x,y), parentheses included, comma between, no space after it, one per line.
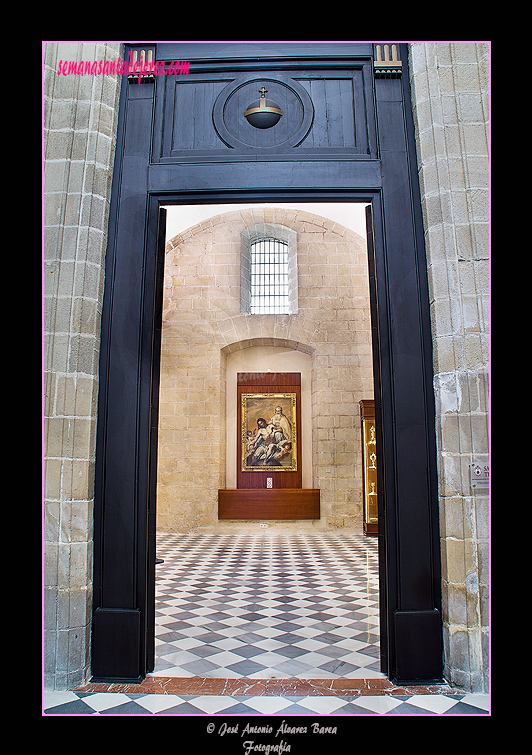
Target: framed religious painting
(268,432)
(269,452)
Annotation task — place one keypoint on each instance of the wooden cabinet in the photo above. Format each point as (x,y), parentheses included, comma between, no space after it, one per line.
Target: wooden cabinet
(369,449)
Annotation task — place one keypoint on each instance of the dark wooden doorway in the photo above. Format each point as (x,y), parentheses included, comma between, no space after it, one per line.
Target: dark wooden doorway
(347,136)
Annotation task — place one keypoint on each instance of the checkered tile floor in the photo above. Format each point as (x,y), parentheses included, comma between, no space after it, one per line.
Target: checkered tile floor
(267,606)
(117,704)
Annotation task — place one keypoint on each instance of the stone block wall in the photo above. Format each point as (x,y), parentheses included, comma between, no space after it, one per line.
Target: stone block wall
(451,111)
(80,119)
(203,323)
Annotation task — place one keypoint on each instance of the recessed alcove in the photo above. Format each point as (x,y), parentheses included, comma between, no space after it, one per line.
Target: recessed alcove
(264,359)
(269,483)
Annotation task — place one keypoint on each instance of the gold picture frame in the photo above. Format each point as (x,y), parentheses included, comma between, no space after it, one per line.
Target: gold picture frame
(269,432)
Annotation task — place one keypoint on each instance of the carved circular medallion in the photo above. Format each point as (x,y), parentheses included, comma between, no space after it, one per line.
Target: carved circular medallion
(233,101)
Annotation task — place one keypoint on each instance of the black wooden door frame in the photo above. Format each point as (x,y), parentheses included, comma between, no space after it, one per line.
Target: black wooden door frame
(409,560)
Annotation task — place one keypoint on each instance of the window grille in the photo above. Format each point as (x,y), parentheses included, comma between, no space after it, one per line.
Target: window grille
(269,277)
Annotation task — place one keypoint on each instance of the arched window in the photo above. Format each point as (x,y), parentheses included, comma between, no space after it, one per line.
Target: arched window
(269,292)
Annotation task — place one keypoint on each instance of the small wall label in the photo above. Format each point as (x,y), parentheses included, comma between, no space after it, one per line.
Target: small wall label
(480,474)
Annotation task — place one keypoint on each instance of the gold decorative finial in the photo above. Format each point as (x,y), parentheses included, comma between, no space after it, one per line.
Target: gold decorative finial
(389,67)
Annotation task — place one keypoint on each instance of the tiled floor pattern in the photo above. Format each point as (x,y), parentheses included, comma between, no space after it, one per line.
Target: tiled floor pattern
(121,704)
(267,606)
(266,624)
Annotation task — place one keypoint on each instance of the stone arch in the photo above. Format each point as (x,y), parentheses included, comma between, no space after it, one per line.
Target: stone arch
(282,342)
(262,219)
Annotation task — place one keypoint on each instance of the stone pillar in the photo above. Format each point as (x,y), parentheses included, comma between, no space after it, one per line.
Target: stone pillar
(450,103)
(80,119)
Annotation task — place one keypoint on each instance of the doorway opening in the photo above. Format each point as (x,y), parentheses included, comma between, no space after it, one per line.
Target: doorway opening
(266,598)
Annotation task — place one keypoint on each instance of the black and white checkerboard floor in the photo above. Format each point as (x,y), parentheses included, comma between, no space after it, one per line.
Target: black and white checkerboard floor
(118,704)
(266,606)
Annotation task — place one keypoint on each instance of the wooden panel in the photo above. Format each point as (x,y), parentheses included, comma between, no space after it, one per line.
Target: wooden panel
(183,116)
(269,504)
(116,639)
(192,127)
(367,408)
(325,110)
(333,124)
(281,379)
(269,382)
(418,645)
